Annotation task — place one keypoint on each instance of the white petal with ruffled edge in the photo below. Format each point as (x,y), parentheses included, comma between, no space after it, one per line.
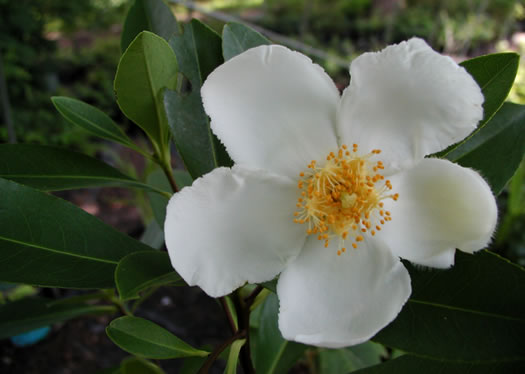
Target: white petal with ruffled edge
(336,301)
(232,226)
(409,101)
(273,109)
(441,206)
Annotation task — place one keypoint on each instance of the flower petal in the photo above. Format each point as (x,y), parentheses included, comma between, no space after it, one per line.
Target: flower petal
(335,301)
(232,226)
(409,101)
(441,206)
(273,109)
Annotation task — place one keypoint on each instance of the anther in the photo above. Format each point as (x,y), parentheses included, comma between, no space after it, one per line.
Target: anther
(341,195)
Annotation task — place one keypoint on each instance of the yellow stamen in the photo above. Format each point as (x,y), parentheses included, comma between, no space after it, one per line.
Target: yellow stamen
(343,194)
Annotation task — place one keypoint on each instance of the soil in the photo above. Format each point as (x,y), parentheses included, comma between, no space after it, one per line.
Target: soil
(81,346)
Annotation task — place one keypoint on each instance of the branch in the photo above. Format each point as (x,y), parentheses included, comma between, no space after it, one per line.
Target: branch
(217,351)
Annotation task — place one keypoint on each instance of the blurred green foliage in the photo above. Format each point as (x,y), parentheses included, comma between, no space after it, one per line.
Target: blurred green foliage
(517,93)
(36,69)
(458,26)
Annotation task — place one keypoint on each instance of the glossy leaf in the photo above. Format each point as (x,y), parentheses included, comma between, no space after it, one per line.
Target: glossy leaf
(415,365)
(272,353)
(473,312)
(346,360)
(144,338)
(148,15)
(50,168)
(237,38)
(182,178)
(146,68)
(198,51)
(141,270)
(157,179)
(91,119)
(233,356)
(31,313)
(47,241)
(495,74)
(138,365)
(497,149)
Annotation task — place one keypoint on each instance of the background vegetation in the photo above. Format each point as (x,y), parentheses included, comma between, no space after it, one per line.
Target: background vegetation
(71,48)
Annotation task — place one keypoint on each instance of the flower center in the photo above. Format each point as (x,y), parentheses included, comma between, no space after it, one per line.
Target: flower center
(343,198)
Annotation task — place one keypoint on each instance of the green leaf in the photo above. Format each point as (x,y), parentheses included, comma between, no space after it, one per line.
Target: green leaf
(145,69)
(416,365)
(31,313)
(237,38)
(157,179)
(91,119)
(342,361)
(192,365)
(148,15)
(271,285)
(47,241)
(272,353)
(198,51)
(233,356)
(182,178)
(230,304)
(473,312)
(497,149)
(50,168)
(138,365)
(495,75)
(141,270)
(145,338)
(516,200)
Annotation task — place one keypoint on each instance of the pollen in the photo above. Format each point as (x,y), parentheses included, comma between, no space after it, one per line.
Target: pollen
(342,197)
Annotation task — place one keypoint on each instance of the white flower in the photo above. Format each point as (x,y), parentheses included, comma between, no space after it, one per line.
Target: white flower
(333,228)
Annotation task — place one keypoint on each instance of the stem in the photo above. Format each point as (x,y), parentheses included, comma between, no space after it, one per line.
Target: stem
(243,316)
(166,167)
(217,351)
(122,306)
(119,303)
(251,297)
(226,307)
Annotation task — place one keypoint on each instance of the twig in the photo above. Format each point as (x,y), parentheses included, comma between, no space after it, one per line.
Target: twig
(226,307)
(217,351)
(166,167)
(243,316)
(251,297)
